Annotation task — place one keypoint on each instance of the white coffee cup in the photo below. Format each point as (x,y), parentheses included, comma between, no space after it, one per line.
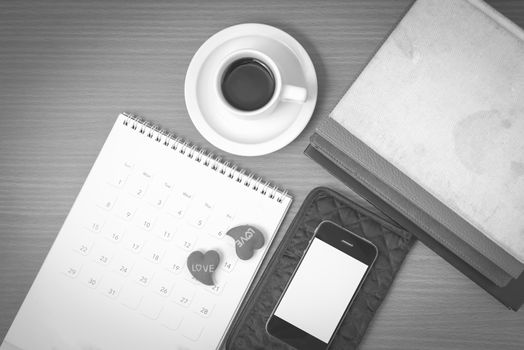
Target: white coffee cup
(282,92)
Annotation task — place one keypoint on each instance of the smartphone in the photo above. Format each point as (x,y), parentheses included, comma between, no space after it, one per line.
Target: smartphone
(322,288)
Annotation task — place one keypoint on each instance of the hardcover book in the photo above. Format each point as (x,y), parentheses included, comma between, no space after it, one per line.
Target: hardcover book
(431,133)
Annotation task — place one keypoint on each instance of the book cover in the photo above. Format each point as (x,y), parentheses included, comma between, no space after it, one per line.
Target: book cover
(436,118)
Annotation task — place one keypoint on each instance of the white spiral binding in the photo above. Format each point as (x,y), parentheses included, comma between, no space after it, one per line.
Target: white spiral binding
(201,156)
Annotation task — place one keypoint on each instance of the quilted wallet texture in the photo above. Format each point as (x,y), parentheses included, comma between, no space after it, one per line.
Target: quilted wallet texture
(393,244)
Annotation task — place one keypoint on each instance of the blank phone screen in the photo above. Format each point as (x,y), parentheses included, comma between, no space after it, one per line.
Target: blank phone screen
(321,290)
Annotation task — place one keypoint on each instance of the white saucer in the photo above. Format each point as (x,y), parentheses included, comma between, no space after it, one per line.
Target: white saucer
(249,137)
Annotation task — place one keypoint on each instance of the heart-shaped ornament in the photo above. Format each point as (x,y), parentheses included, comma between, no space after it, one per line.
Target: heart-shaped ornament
(247,239)
(202,266)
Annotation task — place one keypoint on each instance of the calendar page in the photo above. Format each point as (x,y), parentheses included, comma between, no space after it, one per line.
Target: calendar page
(116,276)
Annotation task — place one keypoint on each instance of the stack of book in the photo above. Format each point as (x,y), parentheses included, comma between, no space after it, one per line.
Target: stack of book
(432,134)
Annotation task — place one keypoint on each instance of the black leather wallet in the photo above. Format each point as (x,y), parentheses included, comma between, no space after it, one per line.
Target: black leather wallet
(393,243)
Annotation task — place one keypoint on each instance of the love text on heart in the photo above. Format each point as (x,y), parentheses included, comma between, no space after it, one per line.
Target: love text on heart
(202,267)
(245,237)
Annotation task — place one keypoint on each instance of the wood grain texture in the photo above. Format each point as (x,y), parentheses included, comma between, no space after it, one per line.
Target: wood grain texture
(68,68)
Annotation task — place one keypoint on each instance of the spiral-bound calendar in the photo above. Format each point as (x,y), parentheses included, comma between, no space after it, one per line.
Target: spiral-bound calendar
(116,276)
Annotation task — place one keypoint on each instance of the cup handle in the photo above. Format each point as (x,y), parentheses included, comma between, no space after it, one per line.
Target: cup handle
(291,93)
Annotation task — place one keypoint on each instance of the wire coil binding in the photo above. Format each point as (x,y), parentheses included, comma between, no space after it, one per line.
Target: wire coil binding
(200,155)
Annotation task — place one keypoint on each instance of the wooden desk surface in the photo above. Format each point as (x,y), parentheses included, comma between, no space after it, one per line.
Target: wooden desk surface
(68,68)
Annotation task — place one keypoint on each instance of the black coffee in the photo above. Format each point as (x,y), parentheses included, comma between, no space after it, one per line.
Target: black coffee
(248,84)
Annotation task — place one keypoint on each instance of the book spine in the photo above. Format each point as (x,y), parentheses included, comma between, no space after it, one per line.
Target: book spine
(502,20)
